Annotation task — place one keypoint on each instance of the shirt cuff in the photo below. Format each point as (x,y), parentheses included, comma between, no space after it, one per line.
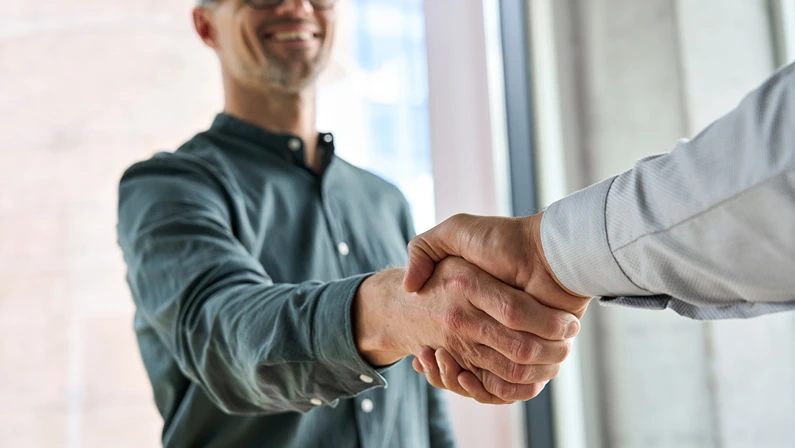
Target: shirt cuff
(575,241)
(334,340)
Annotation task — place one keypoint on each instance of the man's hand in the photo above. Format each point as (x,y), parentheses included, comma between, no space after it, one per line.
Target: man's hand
(485,325)
(508,249)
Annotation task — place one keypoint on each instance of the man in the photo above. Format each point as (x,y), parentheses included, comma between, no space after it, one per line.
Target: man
(250,254)
(707,230)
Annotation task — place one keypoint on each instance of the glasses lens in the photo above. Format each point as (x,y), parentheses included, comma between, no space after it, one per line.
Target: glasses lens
(262,4)
(322,4)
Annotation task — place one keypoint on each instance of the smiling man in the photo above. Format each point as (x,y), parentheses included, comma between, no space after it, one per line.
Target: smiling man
(253,257)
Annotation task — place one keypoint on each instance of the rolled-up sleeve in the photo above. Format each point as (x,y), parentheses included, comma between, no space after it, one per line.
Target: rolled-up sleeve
(707,230)
(254,347)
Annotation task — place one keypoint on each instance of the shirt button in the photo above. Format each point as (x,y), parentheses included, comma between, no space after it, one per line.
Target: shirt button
(328,138)
(294,144)
(366,379)
(316,402)
(344,249)
(367,405)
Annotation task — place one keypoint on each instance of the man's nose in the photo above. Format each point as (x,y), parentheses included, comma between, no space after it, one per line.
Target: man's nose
(295,8)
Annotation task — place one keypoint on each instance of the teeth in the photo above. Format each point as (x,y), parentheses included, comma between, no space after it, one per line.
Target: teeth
(293,35)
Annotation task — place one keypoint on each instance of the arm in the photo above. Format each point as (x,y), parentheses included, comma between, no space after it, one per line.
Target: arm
(707,230)
(259,347)
(252,345)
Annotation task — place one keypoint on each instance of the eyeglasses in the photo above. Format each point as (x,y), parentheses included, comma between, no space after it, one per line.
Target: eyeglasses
(265,4)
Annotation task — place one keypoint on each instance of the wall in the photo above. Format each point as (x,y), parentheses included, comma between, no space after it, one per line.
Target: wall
(86,88)
(637,76)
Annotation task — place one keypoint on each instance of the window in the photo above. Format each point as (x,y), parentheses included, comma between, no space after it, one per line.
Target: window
(375,97)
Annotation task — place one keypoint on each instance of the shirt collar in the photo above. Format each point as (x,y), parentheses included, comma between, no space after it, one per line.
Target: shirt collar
(289,146)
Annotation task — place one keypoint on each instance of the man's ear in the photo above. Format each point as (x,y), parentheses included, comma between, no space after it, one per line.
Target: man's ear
(204,27)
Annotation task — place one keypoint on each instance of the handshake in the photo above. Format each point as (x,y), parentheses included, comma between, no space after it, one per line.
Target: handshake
(478,307)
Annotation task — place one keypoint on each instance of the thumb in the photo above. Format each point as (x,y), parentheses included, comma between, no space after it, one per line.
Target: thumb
(428,249)
(420,266)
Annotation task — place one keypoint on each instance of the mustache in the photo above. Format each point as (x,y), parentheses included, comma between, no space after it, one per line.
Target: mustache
(263,27)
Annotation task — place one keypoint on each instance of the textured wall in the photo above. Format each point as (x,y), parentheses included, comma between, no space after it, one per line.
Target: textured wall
(86,88)
(650,73)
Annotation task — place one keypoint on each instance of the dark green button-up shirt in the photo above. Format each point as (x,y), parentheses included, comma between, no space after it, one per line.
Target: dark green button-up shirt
(243,264)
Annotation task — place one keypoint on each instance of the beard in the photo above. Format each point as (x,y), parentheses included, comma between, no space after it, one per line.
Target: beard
(293,74)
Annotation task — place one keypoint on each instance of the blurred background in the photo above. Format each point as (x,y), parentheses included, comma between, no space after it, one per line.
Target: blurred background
(480,106)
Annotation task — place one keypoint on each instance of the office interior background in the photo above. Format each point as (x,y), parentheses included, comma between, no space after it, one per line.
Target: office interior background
(479,106)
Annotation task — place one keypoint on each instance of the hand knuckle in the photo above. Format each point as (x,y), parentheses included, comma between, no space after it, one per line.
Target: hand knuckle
(505,391)
(526,350)
(557,325)
(520,373)
(512,312)
(459,283)
(454,320)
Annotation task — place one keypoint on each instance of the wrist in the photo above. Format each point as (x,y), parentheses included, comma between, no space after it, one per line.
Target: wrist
(534,227)
(375,332)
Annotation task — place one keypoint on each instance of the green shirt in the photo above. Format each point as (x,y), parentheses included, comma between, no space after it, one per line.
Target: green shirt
(243,264)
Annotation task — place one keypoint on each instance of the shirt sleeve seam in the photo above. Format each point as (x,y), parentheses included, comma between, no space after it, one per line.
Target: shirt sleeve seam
(607,238)
(702,212)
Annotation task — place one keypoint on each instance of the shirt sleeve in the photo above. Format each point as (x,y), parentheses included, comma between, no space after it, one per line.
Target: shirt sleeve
(253,346)
(707,230)
(441,428)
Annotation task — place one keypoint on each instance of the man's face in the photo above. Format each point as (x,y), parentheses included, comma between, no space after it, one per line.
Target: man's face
(284,47)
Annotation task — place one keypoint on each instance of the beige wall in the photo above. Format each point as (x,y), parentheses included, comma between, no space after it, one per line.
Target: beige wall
(86,88)
(636,77)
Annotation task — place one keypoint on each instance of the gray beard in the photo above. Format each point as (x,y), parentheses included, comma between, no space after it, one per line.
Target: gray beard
(283,76)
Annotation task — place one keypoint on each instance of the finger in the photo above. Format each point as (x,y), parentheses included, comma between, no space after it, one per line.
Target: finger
(506,391)
(449,370)
(431,247)
(522,312)
(417,365)
(475,388)
(519,347)
(491,360)
(427,358)
(421,265)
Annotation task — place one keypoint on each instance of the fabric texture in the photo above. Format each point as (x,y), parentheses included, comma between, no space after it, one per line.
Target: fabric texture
(243,264)
(707,230)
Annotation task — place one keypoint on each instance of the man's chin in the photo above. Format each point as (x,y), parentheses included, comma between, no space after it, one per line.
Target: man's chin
(295,79)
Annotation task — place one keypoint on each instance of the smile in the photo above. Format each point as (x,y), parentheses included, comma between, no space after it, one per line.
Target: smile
(286,36)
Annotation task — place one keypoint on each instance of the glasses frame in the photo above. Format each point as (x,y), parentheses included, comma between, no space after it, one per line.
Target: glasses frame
(266,4)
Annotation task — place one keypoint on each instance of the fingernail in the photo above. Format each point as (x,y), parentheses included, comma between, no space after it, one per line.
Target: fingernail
(424,367)
(572,329)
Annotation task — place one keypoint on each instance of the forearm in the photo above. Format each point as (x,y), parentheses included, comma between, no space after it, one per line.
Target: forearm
(253,346)
(376,335)
(256,347)
(706,229)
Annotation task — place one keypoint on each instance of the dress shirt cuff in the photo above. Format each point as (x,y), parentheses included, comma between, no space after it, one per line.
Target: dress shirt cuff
(575,241)
(334,339)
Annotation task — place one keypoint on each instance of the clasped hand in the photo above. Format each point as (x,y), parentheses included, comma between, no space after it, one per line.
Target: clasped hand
(508,250)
